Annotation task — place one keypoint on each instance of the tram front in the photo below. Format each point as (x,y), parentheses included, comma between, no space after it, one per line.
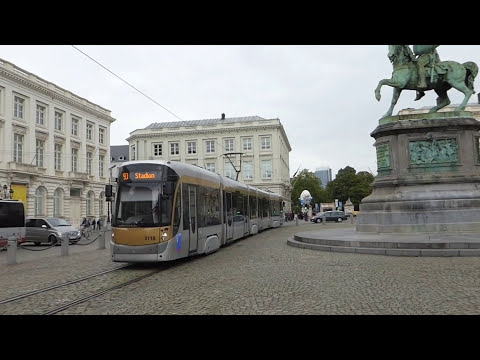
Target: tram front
(142,221)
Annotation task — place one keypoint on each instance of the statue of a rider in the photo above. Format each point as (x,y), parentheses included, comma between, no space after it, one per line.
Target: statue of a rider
(427,57)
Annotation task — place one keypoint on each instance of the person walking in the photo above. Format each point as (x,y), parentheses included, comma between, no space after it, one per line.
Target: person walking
(93,224)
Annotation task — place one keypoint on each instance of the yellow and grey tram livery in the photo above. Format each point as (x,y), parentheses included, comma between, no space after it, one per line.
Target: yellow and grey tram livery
(169,210)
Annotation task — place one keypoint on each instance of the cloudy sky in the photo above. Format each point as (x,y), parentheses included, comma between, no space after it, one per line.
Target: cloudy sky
(322,94)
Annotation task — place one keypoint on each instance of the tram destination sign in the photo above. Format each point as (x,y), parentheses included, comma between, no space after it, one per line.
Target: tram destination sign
(129,176)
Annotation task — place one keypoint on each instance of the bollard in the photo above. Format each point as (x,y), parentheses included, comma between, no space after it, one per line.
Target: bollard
(296,221)
(324,221)
(101,239)
(65,243)
(351,218)
(12,250)
(108,232)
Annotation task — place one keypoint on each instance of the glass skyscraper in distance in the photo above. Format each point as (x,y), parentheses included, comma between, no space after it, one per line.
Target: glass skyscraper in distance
(325,174)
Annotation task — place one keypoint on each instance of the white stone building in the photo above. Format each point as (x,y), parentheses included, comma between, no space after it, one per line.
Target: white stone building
(474,108)
(263,144)
(54,147)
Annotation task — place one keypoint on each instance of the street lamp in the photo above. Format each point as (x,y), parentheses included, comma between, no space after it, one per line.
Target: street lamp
(7,194)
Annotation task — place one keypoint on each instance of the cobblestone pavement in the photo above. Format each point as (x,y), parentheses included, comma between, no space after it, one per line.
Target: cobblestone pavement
(263,275)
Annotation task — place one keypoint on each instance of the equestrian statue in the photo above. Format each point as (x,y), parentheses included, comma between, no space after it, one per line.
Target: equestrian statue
(422,70)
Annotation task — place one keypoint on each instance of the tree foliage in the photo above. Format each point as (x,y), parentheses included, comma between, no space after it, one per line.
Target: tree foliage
(307,180)
(349,184)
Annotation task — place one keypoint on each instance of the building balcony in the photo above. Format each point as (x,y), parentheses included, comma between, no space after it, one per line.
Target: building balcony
(30,168)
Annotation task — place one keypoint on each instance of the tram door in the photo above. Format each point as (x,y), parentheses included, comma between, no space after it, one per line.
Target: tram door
(192,214)
(229,210)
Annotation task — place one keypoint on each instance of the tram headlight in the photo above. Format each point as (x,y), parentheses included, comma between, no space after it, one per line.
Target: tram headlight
(164,236)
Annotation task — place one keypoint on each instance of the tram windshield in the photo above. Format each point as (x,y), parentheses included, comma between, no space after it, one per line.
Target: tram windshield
(144,196)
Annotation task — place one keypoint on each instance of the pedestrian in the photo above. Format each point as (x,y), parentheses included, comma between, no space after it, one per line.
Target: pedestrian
(93,223)
(99,224)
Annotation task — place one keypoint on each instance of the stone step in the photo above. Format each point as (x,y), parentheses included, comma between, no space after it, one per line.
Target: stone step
(388,248)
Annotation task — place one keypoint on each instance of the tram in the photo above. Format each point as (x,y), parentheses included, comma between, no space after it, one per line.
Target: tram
(166,210)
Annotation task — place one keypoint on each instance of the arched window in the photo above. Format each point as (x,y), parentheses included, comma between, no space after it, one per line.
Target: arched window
(90,202)
(101,205)
(40,202)
(58,202)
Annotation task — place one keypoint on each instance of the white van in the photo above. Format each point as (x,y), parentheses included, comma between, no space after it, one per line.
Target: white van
(12,221)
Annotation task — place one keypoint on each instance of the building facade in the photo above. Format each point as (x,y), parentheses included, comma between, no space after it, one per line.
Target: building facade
(474,108)
(324,174)
(54,147)
(261,146)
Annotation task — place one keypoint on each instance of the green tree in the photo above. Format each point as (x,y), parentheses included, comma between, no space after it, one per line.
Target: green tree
(349,184)
(307,180)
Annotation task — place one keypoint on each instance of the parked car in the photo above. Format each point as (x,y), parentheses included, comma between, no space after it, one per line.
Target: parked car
(338,216)
(50,230)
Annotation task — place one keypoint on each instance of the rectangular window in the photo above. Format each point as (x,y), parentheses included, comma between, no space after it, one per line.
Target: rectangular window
(39,152)
(75,126)
(266,169)
(247,169)
(265,142)
(229,145)
(132,152)
(89,131)
(40,117)
(74,160)
(230,171)
(210,166)
(89,163)
(157,149)
(2,100)
(58,121)
(210,146)
(174,149)
(18,107)
(191,147)
(247,144)
(101,165)
(18,147)
(57,157)
(101,135)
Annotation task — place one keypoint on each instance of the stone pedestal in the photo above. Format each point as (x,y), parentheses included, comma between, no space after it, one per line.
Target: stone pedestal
(428,175)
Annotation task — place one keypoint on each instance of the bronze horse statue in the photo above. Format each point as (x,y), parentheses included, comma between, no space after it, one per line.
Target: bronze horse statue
(405,76)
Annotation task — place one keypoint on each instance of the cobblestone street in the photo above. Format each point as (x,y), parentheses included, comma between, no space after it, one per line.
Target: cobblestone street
(263,275)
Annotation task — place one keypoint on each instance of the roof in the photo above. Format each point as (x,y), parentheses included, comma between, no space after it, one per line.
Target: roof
(175,124)
(119,150)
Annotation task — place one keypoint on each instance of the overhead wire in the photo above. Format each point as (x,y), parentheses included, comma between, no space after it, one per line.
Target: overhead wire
(184,122)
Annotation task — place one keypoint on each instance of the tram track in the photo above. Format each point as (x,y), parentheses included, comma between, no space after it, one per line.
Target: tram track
(43,301)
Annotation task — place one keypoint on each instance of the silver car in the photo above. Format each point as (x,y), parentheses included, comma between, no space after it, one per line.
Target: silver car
(50,230)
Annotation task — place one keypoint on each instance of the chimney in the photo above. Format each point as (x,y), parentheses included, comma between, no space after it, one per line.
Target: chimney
(223,115)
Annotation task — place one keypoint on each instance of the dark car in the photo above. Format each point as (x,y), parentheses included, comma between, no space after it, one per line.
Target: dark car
(50,230)
(338,216)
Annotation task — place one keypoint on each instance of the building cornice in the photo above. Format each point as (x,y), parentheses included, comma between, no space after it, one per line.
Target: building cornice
(210,132)
(36,84)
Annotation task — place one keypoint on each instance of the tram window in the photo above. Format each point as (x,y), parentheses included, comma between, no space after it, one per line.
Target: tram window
(186,222)
(253,207)
(143,206)
(265,204)
(176,215)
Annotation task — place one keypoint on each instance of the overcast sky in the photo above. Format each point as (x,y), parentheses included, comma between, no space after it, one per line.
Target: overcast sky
(322,94)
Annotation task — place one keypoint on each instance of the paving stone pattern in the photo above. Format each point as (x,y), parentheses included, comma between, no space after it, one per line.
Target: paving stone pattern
(262,275)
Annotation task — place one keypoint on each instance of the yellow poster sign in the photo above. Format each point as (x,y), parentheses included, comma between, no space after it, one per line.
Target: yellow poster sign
(20,193)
